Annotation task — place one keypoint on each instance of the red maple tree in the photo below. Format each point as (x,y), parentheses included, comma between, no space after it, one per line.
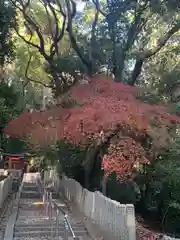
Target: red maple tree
(102,111)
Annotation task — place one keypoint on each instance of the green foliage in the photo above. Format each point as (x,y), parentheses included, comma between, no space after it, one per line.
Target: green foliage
(8,102)
(70,158)
(159,185)
(162,73)
(7,17)
(8,107)
(15,146)
(127,192)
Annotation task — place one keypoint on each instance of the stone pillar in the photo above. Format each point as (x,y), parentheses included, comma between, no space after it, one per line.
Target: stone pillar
(27,168)
(10,163)
(130,221)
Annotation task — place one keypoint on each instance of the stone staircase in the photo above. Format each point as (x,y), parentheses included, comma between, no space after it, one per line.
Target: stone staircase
(32,222)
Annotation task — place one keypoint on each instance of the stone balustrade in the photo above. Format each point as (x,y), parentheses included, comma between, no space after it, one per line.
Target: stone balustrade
(107,214)
(5,189)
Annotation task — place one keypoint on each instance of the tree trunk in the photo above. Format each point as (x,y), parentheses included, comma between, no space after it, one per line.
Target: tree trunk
(90,69)
(119,74)
(104,185)
(86,178)
(136,71)
(59,83)
(56,80)
(91,156)
(120,65)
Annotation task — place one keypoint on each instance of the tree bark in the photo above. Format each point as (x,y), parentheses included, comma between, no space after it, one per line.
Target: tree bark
(148,53)
(119,73)
(104,185)
(92,43)
(71,12)
(134,29)
(91,155)
(136,71)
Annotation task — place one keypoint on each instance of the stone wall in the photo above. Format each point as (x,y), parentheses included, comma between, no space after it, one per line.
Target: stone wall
(5,189)
(109,215)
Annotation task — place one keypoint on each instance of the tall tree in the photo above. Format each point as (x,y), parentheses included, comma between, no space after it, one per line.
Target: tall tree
(132,134)
(46,23)
(48,33)
(131,25)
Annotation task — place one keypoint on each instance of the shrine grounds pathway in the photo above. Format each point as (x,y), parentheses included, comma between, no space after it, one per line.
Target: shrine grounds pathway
(33,219)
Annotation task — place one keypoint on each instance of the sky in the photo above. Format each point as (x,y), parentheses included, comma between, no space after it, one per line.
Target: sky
(80,5)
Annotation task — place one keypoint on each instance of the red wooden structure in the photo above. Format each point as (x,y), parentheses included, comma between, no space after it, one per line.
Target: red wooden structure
(16,161)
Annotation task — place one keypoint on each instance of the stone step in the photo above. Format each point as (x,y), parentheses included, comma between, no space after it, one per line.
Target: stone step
(29,184)
(40,224)
(55,195)
(50,238)
(26,228)
(47,233)
(34,194)
(30,195)
(30,189)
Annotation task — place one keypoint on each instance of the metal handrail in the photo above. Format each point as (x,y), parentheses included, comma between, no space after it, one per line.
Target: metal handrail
(49,205)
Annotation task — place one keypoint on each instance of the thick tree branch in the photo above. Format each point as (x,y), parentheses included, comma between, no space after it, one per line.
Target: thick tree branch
(70,15)
(142,56)
(48,16)
(96,3)
(161,42)
(55,36)
(58,34)
(25,40)
(29,79)
(35,27)
(136,25)
(60,10)
(134,29)
(29,21)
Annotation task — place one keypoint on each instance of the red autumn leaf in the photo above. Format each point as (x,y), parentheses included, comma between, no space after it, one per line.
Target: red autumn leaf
(104,109)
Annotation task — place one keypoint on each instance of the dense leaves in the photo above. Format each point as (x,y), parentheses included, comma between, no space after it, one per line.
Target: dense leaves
(6,23)
(8,107)
(98,116)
